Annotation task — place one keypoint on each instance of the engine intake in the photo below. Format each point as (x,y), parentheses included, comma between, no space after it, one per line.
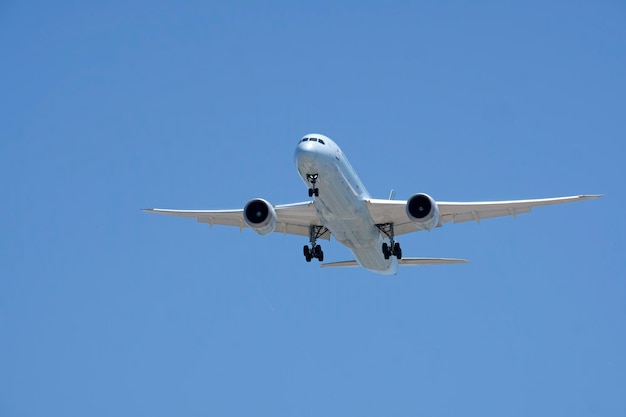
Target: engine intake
(423,211)
(260,216)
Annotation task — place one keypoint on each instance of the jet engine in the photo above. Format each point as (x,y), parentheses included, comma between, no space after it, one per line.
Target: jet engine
(260,216)
(423,211)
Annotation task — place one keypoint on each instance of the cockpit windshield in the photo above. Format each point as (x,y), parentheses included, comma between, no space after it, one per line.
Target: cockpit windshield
(313,140)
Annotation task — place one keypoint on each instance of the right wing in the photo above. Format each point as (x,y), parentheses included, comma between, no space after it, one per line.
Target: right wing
(394,211)
(476,211)
(292,219)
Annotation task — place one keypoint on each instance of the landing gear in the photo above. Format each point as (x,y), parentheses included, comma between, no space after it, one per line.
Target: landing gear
(315,250)
(386,251)
(313,191)
(307,253)
(397,250)
(393,248)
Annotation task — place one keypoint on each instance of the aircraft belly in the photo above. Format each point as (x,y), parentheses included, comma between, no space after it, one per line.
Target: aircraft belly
(372,259)
(346,216)
(342,209)
(364,242)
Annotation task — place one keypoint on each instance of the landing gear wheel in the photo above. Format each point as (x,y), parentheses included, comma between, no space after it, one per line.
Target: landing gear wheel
(312,179)
(315,250)
(397,251)
(386,250)
(318,253)
(393,248)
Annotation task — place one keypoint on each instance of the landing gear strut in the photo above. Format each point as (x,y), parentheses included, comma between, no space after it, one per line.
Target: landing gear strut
(313,191)
(393,247)
(315,250)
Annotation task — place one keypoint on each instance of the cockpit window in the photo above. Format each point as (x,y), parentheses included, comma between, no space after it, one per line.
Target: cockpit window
(313,140)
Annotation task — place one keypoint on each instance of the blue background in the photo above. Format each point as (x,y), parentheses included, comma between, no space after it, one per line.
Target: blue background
(109,107)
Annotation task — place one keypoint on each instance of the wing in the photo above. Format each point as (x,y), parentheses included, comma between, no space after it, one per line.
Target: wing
(394,211)
(292,219)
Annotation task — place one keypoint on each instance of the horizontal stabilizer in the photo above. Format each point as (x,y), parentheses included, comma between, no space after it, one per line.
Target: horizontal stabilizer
(342,264)
(401,262)
(430,261)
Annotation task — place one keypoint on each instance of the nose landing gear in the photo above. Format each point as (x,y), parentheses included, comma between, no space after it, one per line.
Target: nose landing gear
(313,191)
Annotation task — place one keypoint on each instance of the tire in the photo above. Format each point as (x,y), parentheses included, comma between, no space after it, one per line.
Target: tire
(386,250)
(320,257)
(397,251)
(310,192)
(317,192)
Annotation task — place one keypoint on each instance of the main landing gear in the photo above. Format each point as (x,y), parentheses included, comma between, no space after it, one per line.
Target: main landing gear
(392,248)
(313,191)
(315,250)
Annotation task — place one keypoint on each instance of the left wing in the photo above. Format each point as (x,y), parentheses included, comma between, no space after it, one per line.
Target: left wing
(394,211)
(292,219)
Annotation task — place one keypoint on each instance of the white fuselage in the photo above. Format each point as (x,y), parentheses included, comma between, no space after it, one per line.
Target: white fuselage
(341,202)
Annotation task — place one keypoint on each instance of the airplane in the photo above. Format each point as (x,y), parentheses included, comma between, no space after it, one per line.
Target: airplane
(342,207)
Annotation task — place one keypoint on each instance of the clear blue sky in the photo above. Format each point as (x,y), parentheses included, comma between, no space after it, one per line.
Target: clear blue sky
(109,107)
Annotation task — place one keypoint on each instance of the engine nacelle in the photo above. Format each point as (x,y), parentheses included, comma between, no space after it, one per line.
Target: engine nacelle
(260,216)
(423,211)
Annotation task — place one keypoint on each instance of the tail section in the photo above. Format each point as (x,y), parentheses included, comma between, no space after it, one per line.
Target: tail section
(430,261)
(401,262)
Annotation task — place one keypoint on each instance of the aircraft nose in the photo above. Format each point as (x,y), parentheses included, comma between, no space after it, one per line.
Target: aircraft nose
(304,151)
